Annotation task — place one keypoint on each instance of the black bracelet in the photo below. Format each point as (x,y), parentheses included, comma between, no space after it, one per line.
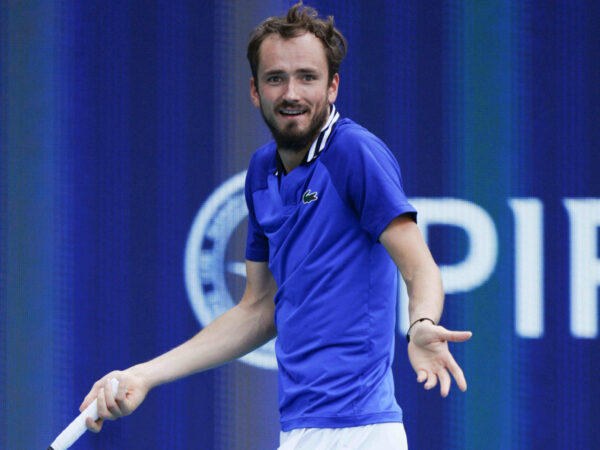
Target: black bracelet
(413,324)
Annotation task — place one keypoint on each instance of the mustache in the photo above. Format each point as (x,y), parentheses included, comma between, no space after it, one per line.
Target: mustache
(288,104)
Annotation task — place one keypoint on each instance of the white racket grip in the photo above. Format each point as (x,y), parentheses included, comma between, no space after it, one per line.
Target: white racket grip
(77,427)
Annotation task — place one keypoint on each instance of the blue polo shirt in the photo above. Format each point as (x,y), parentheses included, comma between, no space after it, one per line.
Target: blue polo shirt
(335,308)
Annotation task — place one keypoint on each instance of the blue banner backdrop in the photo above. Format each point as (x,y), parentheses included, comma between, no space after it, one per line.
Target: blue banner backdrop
(125,128)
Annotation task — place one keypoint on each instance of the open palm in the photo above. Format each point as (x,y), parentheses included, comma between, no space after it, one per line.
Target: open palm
(431,359)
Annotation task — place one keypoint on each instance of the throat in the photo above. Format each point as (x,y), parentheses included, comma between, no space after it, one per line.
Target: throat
(291,158)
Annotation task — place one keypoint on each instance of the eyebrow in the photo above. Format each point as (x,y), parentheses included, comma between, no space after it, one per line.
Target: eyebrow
(273,72)
(306,71)
(282,72)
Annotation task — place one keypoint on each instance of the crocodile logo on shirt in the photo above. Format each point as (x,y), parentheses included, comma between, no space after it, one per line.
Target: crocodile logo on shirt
(309,197)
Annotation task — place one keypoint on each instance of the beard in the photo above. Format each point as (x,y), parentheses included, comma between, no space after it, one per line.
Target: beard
(290,137)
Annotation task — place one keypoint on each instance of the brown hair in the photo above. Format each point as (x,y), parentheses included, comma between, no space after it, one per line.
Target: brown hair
(300,19)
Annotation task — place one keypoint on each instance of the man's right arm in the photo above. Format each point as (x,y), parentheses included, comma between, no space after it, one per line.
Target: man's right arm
(240,330)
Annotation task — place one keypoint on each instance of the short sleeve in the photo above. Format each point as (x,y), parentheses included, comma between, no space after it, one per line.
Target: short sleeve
(367,175)
(257,245)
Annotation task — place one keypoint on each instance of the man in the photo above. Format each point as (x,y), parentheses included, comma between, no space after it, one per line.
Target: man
(326,212)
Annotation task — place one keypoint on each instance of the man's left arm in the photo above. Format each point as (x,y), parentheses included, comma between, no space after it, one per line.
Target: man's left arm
(428,347)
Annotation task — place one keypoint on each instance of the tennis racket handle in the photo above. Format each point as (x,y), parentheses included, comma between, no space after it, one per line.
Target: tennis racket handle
(77,427)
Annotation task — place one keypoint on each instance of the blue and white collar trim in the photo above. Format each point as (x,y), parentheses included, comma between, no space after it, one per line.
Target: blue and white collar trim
(319,144)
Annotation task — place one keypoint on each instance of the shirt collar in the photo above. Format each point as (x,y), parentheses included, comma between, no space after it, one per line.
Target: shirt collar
(318,144)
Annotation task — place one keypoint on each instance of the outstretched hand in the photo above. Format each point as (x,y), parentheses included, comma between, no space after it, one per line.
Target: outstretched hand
(431,359)
(131,393)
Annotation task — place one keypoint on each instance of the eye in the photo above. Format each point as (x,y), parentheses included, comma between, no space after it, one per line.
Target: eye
(273,79)
(309,77)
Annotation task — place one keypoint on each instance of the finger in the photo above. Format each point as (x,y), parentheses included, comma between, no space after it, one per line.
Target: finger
(457,336)
(431,381)
(122,391)
(421,375)
(109,397)
(91,396)
(121,398)
(444,378)
(88,399)
(94,425)
(458,374)
(103,411)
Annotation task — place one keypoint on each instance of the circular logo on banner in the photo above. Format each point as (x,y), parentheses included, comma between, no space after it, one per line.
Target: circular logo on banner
(207,267)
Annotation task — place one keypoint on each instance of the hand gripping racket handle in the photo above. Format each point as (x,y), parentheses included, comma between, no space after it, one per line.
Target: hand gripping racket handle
(77,427)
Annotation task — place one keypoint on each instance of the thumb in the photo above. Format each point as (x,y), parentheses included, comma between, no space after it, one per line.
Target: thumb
(456,336)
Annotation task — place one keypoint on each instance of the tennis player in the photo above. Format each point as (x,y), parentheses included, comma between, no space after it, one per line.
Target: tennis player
(329,224)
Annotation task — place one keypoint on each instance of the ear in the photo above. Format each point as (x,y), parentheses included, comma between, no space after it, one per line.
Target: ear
(332,90)
(254,95)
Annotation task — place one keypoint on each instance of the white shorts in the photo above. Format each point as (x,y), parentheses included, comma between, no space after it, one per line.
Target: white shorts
(378,436)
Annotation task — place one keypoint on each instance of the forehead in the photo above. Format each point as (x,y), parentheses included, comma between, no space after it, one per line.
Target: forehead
(304,51)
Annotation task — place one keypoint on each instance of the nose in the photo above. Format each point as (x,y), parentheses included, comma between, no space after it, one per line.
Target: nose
(291,93)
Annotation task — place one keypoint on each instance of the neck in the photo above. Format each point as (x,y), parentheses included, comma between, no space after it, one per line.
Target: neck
(291,158)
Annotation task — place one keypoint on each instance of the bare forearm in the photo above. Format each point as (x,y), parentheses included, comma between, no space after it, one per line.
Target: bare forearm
(406,246)
(235,333)
(426,294)
(428,348)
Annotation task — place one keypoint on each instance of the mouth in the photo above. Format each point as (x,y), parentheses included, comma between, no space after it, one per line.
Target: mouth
(292,112)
